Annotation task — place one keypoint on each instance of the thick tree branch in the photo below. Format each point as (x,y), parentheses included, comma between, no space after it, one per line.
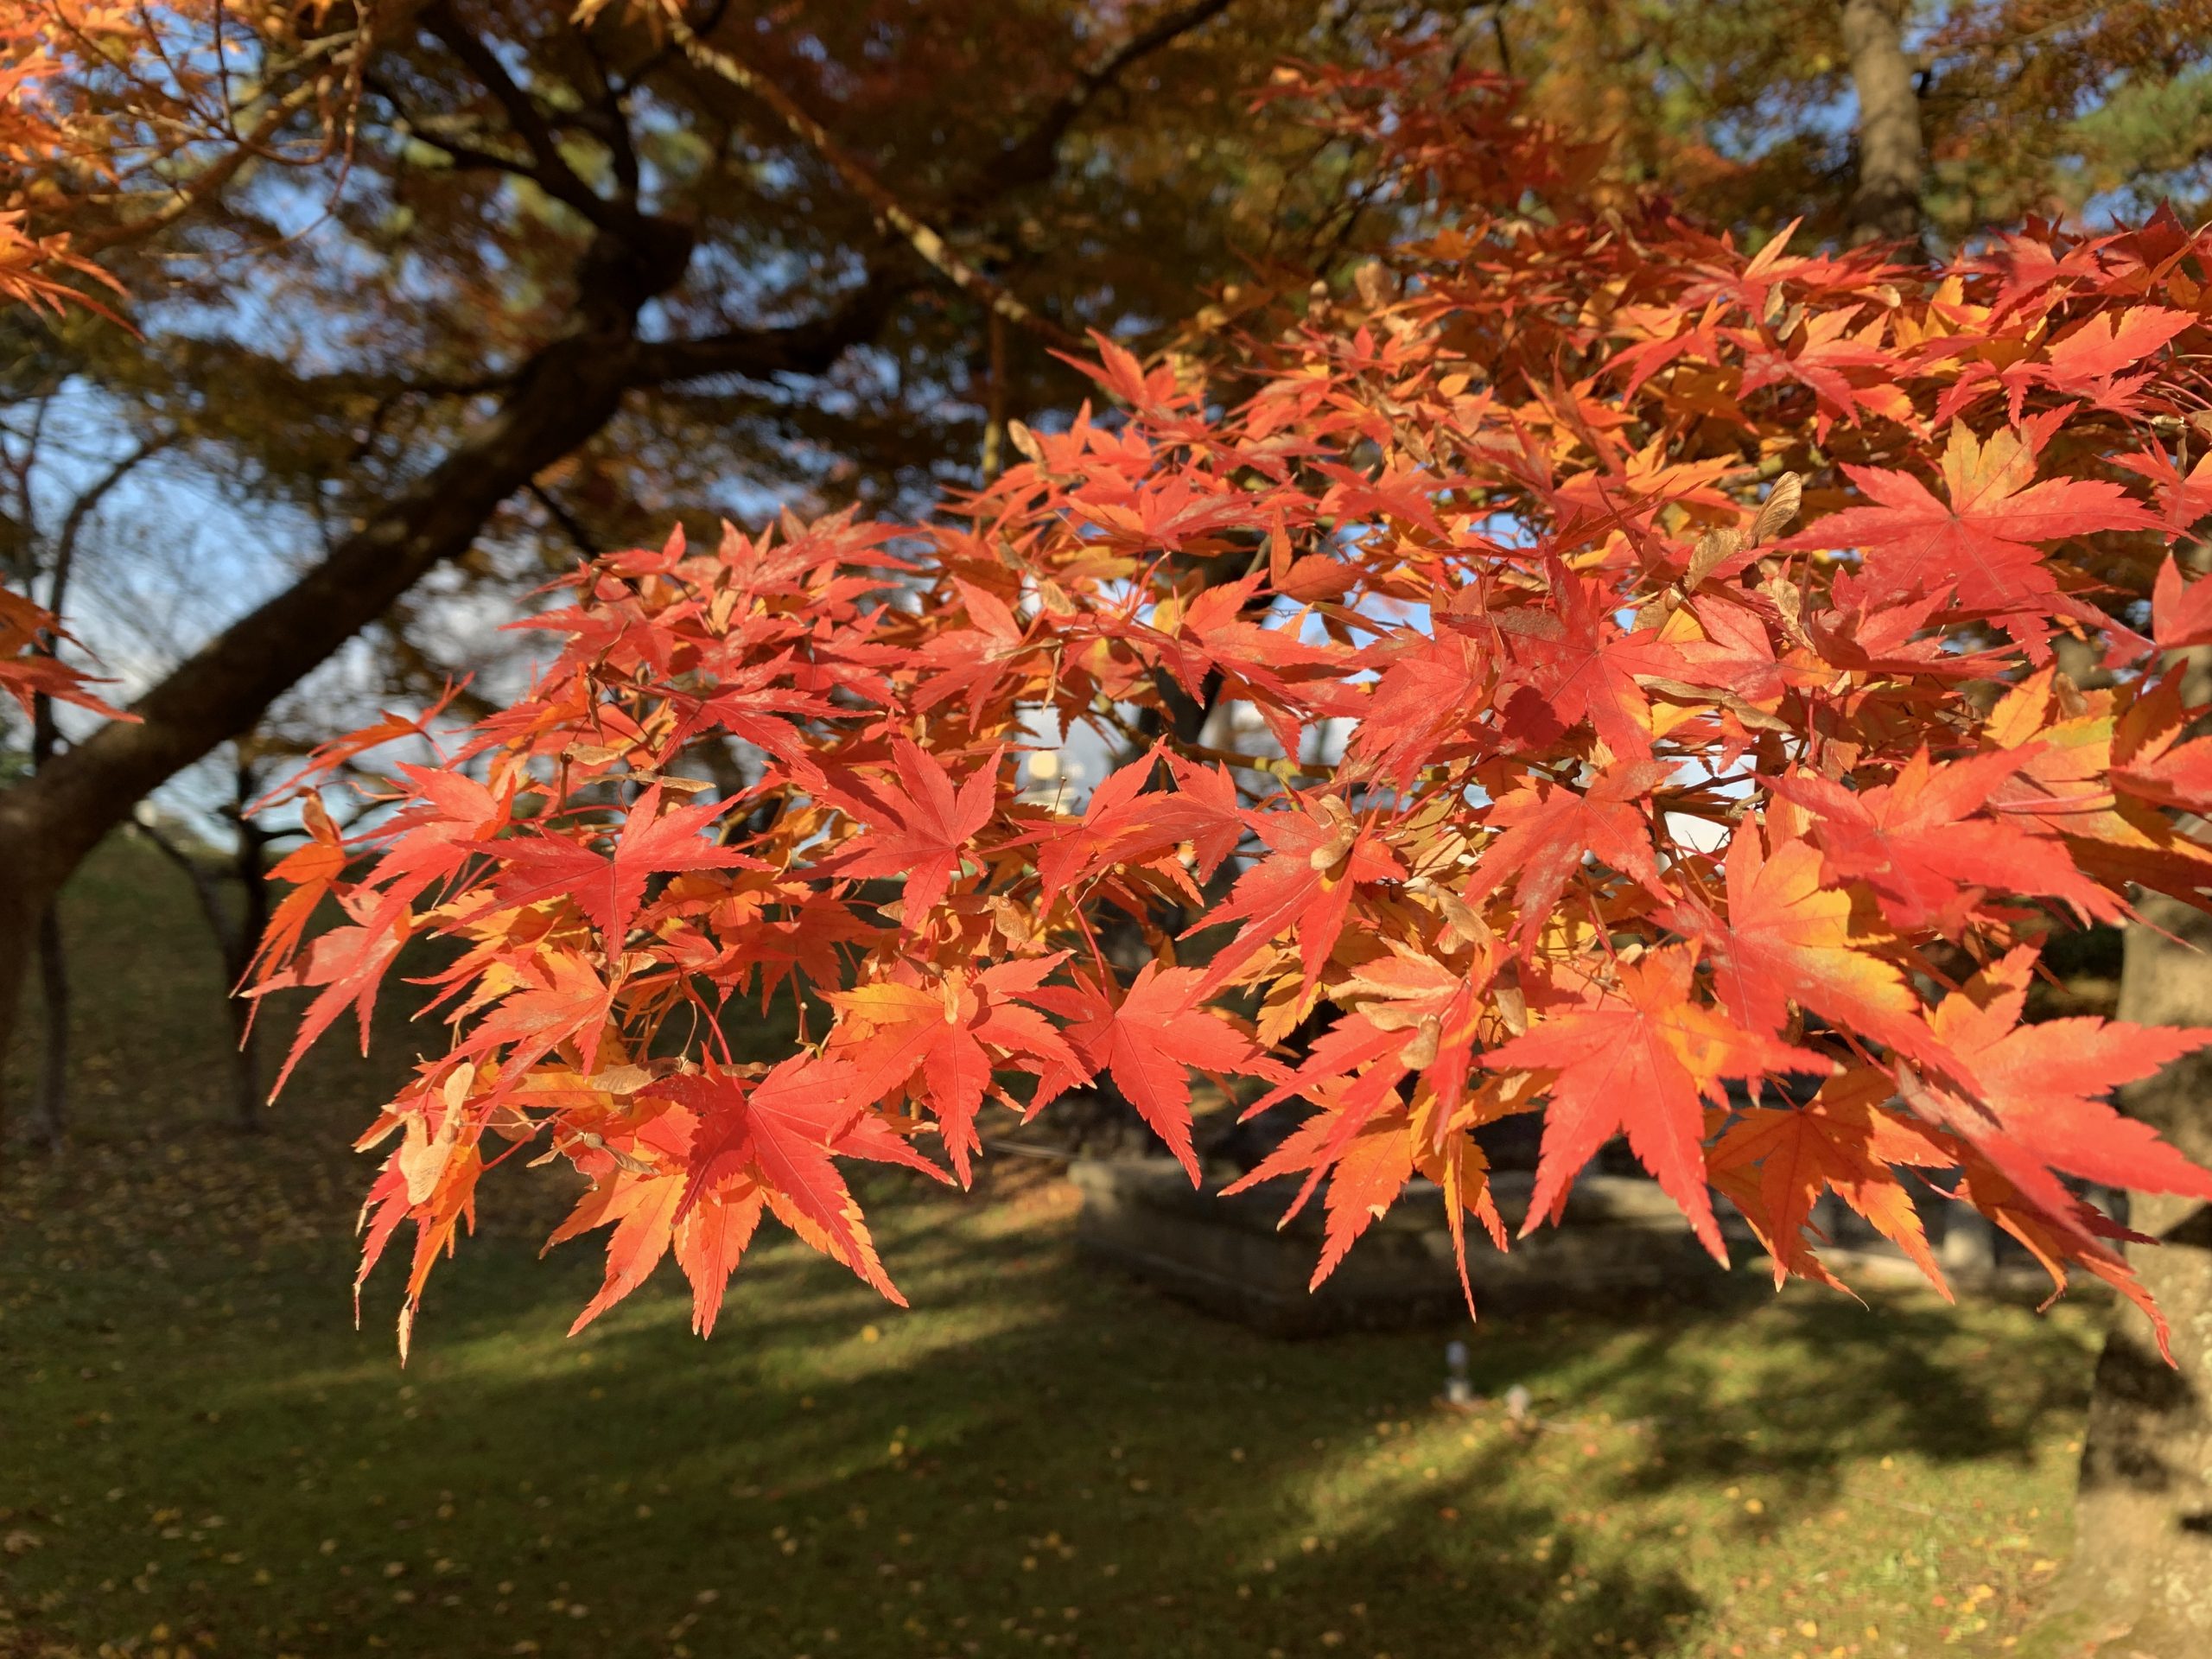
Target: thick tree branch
(763,353)
(1033,158)
(551,172)
(923,237)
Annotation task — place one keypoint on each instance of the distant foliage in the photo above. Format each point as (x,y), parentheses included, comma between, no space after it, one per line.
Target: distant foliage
(1665,641)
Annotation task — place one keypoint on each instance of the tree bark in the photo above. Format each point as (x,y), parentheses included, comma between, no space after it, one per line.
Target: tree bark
(1885,207)
(234,942)
(54,1059)
(243,941)
(2140,1579)
(567,392)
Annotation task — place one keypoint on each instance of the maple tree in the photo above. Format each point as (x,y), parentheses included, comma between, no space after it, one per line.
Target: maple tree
(1665,700)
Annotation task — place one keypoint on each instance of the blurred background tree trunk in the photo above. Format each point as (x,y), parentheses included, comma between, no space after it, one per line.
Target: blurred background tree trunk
(2141,1573)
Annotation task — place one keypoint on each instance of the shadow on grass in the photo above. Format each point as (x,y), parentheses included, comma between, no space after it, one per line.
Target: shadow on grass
(1037,1459)
(1828,1379)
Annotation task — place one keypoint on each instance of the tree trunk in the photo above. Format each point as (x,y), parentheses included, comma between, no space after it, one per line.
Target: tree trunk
(54,1062)
(2141,1575)
(239,944)
(52,948)
(567,392)
(1885,207)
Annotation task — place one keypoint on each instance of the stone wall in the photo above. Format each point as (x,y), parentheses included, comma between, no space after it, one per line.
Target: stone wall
(1623,1242)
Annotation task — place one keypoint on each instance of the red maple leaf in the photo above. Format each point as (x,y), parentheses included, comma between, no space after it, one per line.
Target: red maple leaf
(560,999)
(710,1239)
(1431,685)
(973,658)
(1919,845)
(750,704)
(349,964)
(607,888)
(783,1136)
(1845,1140)
(1983,542)
(2184,500)
(2181,615)
(643,1213)
(1572,662)
(1147,1042)
(1789,937)
(2036,1104)
(1548,829)
(948,1032)
(1642,1057)
(1369,1162)
(314,869)
(1321,851)
(927,824)
(2087,361)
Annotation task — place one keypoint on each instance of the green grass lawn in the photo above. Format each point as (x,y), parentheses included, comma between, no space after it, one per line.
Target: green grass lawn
(200,1455)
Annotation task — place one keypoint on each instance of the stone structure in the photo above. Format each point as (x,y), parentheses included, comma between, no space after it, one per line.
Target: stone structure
(1623,1242)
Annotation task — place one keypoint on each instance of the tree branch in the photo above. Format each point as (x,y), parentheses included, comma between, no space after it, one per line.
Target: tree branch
(46,736)
(923,237)
(203,882)
(808,348)
(1033,158)
(551,173)
(224,167)
(571,526)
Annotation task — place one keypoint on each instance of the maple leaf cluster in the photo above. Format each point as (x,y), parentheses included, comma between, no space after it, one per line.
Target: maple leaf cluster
(1700,681)
(29,668)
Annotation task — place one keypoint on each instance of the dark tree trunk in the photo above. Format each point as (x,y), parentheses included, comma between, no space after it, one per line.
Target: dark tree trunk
(2141,1574)
(238,946)
(53,1063)
(53,949)
(1885,207)
(569,391)
(247,1056)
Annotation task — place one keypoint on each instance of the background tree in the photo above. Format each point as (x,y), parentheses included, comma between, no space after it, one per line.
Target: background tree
(1753,115)
(561,274)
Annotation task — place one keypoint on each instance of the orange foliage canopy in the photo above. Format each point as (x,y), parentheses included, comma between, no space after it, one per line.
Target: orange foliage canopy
(1667,644)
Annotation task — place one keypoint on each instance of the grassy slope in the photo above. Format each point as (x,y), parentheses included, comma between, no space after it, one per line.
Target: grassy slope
(200,1455)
